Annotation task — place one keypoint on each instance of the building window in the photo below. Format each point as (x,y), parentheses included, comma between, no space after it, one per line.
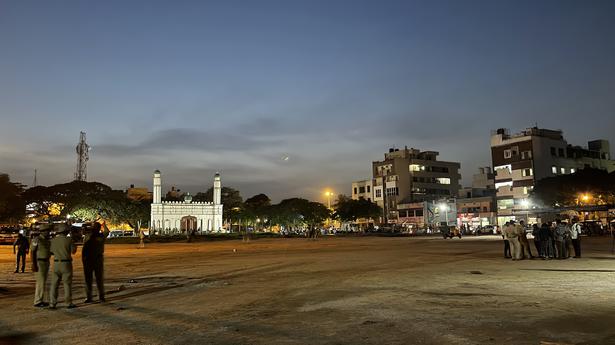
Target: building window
(553,151)
(505,203)
(561,152)
(507,154)
(443,180)
(355,190)
(563,170)
(418,213)
(416,167)
(526,155)
(378,193)
(368,189)
(524,190)
(392,191)
(362,190)
(527,172)
(573,170)
(554,169)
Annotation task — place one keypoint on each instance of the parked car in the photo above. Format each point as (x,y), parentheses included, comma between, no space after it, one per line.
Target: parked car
(8,235)
(119,233)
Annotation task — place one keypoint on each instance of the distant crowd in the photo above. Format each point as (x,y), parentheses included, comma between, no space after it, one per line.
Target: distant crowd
(557,241)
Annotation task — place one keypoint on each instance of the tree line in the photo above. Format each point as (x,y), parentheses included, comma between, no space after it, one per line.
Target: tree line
(91,201)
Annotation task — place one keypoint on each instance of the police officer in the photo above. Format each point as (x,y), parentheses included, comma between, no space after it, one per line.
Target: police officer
(92,258)
(23,246)
(39,255)
(62,248)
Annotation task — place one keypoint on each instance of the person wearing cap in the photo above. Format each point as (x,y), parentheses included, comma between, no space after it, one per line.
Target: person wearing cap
(39,255)
(62,248)
(23,246)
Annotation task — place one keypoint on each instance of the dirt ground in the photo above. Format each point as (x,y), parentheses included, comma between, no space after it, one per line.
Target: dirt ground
(365,290)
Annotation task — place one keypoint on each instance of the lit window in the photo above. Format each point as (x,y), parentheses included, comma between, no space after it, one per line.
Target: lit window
(443,180)
(524,190)
(563,170)
(527,172)
(503,184)
(573,170)
(502,167)
(507,153)
(554,169)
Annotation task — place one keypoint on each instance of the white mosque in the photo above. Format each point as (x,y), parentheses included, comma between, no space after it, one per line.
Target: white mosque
(170,217)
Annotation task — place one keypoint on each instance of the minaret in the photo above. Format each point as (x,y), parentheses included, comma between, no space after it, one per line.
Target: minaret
(217,190)
(157,197)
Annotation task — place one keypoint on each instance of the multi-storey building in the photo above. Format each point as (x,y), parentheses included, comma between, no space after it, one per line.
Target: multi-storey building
(476,212)
(410,175)
(138,193)
(483,184)
(521,159)
(362,189)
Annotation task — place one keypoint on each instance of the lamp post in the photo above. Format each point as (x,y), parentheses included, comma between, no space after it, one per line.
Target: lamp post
(328,194)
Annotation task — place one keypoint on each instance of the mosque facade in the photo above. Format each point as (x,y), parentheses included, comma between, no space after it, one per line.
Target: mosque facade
(172,217)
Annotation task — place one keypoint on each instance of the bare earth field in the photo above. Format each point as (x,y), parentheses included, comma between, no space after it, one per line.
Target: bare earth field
(364,290)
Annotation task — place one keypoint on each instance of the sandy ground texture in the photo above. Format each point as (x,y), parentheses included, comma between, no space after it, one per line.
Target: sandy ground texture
(364,290)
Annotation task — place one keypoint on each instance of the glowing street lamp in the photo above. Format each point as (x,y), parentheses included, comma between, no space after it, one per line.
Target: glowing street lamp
(328,194)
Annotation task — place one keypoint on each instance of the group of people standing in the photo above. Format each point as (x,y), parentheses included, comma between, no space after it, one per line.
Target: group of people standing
(62,247)
(558,241)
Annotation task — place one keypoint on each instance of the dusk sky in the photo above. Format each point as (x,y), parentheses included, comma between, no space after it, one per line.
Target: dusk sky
(194,87)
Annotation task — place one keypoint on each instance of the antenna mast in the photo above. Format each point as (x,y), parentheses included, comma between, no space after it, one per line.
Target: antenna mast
(81,174)
(35,182)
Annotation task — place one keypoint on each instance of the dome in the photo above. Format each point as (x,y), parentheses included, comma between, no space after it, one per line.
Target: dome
(157,171)
(187,198)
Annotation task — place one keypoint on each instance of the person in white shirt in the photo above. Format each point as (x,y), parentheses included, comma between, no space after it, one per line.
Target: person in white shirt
(575,235)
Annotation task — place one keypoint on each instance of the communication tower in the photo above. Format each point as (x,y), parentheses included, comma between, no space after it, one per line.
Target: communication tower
(81,174)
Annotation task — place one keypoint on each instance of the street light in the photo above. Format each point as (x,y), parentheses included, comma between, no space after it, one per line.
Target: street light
(329,194)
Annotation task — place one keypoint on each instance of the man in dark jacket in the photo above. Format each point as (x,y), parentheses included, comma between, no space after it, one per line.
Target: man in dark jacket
(23,247)
(92,258)
(546,241)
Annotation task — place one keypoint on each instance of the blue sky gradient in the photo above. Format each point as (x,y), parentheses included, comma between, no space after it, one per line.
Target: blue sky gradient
(192,87)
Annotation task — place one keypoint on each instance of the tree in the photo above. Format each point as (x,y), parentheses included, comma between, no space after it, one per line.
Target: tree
(349,210)
(565,190)
(12,205)
(230,198)
(295,212)
(87,201)
(256,208)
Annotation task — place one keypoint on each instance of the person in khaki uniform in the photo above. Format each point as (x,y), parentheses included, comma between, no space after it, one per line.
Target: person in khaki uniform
(511,235)
(39,255)
(62,248)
